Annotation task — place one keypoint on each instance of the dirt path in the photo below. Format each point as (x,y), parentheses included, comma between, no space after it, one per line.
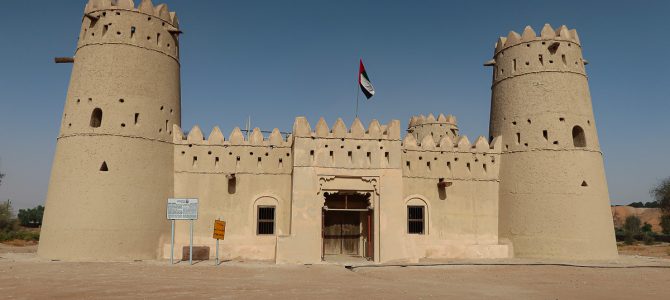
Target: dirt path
(23,276)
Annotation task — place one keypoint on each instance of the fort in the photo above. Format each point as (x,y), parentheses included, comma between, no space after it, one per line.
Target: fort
(534,188)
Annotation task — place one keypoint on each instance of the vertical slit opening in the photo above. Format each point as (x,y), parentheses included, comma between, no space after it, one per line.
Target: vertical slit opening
(96,118)
(578,137)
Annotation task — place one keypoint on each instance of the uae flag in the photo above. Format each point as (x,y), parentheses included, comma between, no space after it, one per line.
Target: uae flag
(364,82)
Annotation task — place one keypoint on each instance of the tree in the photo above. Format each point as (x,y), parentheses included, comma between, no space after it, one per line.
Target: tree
(631,227)
(665,224)
(646,227)
(31,217)
(661,194)
(1,175)
(6,221)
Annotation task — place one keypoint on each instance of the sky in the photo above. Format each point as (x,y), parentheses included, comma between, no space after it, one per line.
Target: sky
(275,60)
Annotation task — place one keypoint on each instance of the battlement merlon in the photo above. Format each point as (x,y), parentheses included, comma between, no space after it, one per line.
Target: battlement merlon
(236,138)
(146,7)
(461,144)
(548,33)
(375,131)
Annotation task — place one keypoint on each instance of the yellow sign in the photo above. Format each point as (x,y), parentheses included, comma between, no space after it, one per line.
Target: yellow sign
(219,229)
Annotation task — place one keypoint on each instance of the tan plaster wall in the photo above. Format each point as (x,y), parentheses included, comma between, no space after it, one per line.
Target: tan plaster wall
(238,210)
(544,210)
(461,224)
(119,214)
(462,218)
(264,182)
(358,162)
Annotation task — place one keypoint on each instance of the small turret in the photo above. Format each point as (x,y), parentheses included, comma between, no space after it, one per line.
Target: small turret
(421,126)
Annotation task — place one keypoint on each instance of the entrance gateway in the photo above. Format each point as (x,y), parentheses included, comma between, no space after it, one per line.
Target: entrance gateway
(347,226)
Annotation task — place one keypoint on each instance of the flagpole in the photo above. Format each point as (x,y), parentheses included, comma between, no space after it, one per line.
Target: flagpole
(357,89)
(357,94)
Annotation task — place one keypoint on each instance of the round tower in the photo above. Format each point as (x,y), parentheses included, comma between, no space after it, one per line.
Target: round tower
(113,167)
(421,126)
(554,201)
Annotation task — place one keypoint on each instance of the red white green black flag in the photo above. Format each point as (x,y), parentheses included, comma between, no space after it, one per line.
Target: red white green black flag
(364,82)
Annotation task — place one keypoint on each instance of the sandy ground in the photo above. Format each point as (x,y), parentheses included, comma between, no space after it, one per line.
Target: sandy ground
(661,250)
(24,276)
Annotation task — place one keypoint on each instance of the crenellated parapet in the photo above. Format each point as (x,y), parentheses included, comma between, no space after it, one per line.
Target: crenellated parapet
(120,22)
(356,147)
(357,131)
(451,159)
(252,154)
(554,50)
(421,126)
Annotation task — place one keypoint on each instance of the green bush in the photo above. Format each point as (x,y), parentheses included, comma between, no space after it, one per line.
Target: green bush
(648,238)
(628,239)
(646,227)
(9,229)
(19,235)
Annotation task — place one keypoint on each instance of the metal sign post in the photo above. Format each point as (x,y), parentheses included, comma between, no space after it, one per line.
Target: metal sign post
(219,234)
(190,247)
(182,209)
(172,245)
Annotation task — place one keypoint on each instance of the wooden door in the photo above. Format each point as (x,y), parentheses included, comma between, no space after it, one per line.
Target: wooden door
(341,233)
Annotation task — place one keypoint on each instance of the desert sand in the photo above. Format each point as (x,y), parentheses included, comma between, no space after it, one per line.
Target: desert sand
(646,215)
(24,276)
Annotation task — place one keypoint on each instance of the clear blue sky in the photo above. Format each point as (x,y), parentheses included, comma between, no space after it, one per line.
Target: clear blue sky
(275,60)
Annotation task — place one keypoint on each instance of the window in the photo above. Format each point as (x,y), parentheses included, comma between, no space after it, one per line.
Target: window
(266,220)
(415,219)
(578,137)
(96,118)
